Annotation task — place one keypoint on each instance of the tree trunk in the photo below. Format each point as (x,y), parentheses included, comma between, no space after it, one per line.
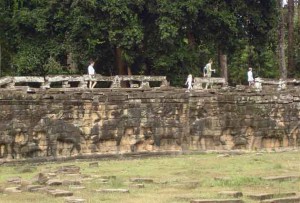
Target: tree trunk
(121,68)
(120,65)
(71,63)
(291,62)
(281,54)
(223,64)
(0,61)
(191,40)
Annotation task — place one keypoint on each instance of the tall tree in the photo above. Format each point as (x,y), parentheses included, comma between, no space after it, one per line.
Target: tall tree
(291,50)
(281,41)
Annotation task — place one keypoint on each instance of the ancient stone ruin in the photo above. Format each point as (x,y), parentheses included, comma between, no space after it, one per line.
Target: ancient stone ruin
(74,121)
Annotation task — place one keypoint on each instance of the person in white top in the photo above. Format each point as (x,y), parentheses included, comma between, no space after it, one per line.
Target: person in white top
(189,82)
(91,72)
(250,77)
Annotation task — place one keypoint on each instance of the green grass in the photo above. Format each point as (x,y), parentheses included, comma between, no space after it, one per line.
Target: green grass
(176,179)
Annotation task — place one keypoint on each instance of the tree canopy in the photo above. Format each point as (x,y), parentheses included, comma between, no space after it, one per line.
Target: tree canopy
(154,37)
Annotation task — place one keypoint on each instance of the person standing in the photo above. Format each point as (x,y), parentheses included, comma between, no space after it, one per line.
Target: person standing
(91,72)
(250,77)
(189,82)
(207,72)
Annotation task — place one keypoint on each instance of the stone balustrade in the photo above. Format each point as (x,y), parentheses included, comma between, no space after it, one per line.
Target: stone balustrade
(198,82)
(78,81)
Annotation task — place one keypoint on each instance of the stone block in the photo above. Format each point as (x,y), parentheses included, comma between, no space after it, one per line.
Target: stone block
(74,200)
(217,201)
(142,180)
(283,200)
(234,194)
(113,190)
(281,178)
(261,196)
(60,193)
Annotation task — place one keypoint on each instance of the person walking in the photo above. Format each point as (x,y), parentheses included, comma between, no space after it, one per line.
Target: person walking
(91,72)
(208,71)
(250,77)
(189,82)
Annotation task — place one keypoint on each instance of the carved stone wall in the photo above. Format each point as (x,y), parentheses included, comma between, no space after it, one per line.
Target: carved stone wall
(61,123)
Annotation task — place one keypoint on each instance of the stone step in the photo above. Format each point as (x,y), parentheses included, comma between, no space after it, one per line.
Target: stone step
(217,201)
(283,200)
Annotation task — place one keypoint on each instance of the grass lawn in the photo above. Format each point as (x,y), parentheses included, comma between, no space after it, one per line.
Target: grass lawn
(177,179)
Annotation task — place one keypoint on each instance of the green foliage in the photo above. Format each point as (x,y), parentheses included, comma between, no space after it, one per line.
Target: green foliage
(157,37)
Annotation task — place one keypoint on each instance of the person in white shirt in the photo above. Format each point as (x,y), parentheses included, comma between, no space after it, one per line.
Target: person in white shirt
(250,77)
(189,82)
(91,72)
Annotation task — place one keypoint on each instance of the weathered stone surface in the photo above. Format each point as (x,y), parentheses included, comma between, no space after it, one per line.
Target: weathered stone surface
(12,190)
(235,194)
(71,123)
(261,196)
(142,180)
(283,200)
(217,201)
(281,178)
(60,193)
(14,180)
(54,182)
(113,190)
(32,188)
(71,169)
(137,185)
(74,200)
(71,182)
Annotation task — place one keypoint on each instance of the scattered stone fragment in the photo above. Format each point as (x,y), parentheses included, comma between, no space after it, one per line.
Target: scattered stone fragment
(12,190)
(14,180)
(60,193)
(108,177)
(137,185)
(71,169)
(51,175)
(71,182)
(235,194)
(261,196)
(223,155)
(41,178)
(283,200)
(101,180)
(74,200)
(282,178)
(217,201)
(31,188)
(141,180)
(113,190)
(54,182)
(94,165)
